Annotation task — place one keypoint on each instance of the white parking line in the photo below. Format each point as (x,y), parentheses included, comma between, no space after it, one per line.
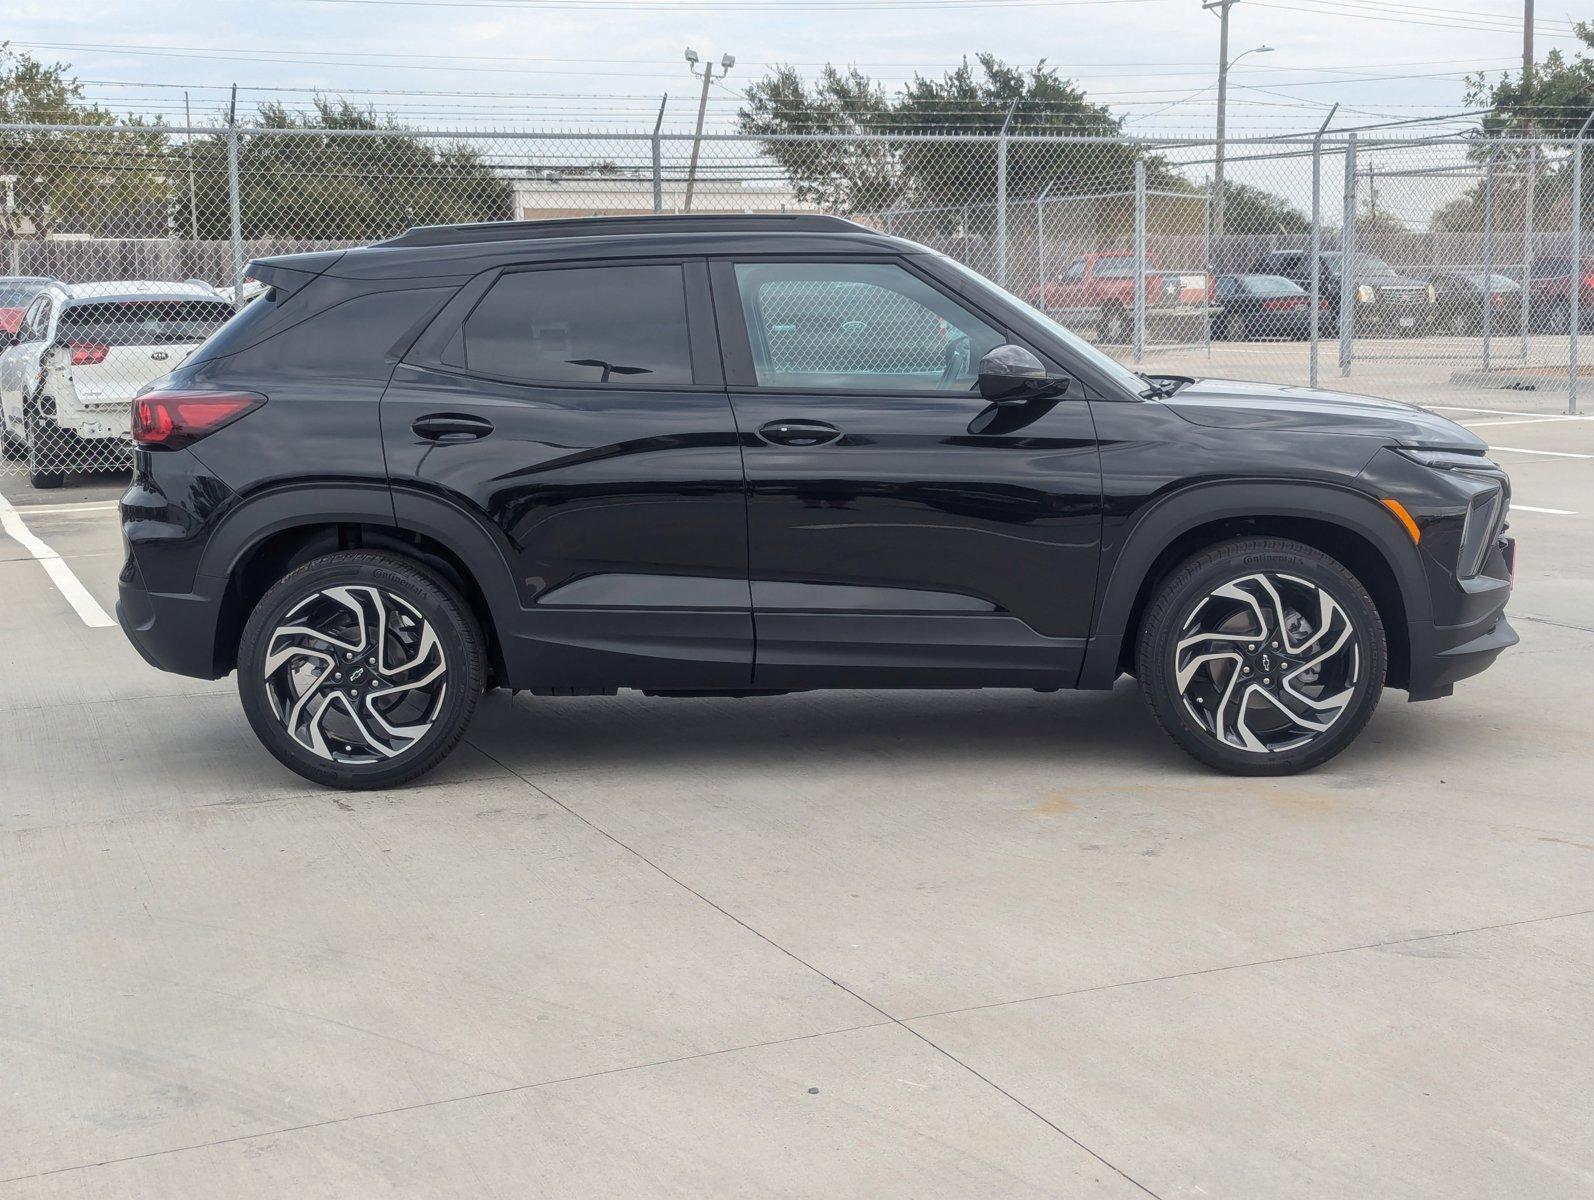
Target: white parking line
(1513,421)
(83,507)
(1550,453)
(1506,412)
(1554,512)
(68,584)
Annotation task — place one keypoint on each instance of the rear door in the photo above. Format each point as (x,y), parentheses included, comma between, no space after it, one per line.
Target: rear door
(902,530)
(578,411)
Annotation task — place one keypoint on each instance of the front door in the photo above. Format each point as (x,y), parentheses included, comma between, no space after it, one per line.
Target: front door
(578,411)
(902,531)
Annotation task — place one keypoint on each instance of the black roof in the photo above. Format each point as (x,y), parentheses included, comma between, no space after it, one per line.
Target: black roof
(505,231)
(460,251)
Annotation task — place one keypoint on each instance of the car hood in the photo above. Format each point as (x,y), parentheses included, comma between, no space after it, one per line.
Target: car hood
(1234,404)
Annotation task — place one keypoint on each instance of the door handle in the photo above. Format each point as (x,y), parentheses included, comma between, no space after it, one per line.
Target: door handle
(799,433)
(451,427)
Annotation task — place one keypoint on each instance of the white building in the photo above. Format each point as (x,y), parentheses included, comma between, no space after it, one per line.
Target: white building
(559,195)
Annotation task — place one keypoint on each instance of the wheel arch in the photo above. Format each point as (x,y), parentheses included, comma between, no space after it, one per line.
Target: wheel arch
(1343,523)
(266,536)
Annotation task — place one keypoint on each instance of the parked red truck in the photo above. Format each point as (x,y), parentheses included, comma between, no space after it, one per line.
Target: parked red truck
(1550,293)
(1097,291)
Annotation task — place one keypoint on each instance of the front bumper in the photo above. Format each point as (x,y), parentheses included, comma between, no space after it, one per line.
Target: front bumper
(1443,655)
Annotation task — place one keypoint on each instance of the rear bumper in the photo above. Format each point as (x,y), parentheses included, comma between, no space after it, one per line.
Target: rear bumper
(171,632)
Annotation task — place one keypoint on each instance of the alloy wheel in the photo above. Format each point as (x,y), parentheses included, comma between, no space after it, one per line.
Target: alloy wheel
(355,674)
(1267,662)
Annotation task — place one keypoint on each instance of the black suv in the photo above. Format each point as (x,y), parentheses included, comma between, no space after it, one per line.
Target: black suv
(1386,302)
(751,455)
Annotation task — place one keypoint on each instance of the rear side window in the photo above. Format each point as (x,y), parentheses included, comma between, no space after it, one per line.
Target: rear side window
(619,325)
(142,322)
(239,328)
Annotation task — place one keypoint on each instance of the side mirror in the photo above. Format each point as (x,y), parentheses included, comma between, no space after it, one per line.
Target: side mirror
(1013,375)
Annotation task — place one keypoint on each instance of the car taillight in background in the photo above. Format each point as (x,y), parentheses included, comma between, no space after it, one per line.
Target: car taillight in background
(172,420)
(88,354)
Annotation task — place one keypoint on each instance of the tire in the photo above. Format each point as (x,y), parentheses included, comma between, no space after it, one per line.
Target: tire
(42,471)
(1112,326)
(424,681)
(1213,705)
(1560,320)
(11,449)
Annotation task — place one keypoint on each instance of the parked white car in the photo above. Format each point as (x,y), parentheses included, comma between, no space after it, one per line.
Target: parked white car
(83,351)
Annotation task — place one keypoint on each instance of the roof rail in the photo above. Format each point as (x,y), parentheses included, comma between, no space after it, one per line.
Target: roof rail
(503,231)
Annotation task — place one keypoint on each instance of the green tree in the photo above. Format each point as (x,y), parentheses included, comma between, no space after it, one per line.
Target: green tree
(83,179)
(977,98)
(1250,209)
(307,180)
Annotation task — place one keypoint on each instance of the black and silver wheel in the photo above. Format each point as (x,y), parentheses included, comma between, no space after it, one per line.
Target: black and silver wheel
(1262,656)
(360,669)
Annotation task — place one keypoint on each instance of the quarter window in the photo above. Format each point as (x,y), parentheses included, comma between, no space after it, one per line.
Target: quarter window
(858,327)
(621,326)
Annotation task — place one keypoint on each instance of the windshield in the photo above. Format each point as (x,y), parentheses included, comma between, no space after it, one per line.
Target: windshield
(1498,283)
(17,295)
(143,322)
(1270,285)
(1366,264)
(1120,374)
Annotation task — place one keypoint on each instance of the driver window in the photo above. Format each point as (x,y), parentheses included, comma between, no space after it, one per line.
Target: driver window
(1076,272)
(36,322)
(849,327)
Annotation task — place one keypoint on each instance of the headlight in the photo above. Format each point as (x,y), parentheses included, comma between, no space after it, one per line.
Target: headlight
(1365,293)
(1432,295)
(1449,460)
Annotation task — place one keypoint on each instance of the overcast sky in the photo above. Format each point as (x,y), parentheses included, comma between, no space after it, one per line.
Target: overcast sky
(524,61)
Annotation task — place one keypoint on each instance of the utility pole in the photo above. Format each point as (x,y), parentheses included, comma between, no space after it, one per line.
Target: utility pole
(1527,58)
(727,61)
(1221,8)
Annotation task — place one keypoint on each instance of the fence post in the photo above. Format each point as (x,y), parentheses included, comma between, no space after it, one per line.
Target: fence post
(1488,256)
(235,215)
(1577,262)
(1314,318)
(1347,261)
(1529,198)
(1140,259)
(658,177)
(1001,198)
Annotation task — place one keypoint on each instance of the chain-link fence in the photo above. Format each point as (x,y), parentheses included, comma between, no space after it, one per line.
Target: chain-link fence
(1439,270)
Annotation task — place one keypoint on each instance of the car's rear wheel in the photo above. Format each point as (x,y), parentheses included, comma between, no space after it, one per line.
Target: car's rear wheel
(1262,656)
(1112,325)
(44,437)
(360,669)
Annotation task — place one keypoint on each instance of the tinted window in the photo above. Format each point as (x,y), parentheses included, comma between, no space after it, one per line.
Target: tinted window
(615,325)
(239,328)
(142,322)
(858,327)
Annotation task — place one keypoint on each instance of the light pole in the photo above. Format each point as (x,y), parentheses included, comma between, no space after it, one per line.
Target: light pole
(1221,8)
(727,61)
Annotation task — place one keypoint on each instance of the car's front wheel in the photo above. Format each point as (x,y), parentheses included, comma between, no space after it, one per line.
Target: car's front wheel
(1262,656)
(360,669)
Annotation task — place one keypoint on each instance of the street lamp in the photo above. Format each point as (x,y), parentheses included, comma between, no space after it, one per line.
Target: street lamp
(727,61)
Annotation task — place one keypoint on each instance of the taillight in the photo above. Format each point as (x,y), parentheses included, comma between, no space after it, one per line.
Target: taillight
(87,354)
(172,420)
(1284,303)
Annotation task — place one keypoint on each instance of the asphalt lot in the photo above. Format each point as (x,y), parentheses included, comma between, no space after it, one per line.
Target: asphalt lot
(905,944)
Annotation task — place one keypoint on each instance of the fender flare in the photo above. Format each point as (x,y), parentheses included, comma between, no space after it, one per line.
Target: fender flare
(254,519)
(1175,514)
